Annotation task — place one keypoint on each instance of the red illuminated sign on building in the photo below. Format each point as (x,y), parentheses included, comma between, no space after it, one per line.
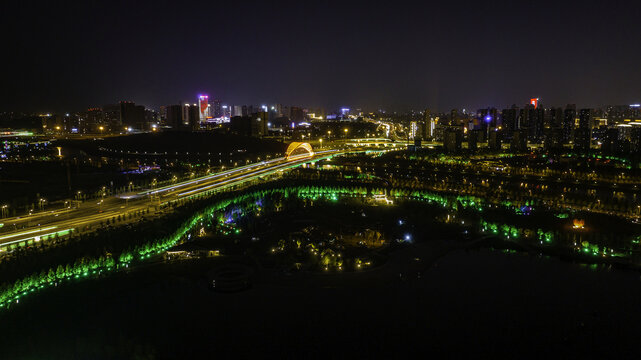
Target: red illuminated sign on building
(203,105)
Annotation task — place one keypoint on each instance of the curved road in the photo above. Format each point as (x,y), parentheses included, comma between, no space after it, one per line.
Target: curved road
(25,230)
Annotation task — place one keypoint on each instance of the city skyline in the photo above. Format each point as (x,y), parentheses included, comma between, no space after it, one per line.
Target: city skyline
(287,179)
(409,57)
(469,110)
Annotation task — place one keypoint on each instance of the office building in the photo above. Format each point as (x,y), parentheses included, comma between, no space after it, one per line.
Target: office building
(519,141)
(509,120)
(569,118)
(452,139)
(583,133)
(494,140)
(217,110)
(174,117)
(255,125)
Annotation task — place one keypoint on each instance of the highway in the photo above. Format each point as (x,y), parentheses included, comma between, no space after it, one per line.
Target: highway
(87,215)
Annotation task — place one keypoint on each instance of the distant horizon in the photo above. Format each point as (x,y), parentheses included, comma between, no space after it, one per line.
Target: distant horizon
(329,110)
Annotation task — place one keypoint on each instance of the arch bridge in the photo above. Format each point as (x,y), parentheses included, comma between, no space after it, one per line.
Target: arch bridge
(298,149)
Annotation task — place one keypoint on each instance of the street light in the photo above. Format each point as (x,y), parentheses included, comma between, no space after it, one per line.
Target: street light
(5,211)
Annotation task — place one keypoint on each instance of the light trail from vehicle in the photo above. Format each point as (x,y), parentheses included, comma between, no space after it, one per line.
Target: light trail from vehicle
(85,216)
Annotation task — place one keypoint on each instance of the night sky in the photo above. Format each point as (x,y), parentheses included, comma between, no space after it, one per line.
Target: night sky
(388,55)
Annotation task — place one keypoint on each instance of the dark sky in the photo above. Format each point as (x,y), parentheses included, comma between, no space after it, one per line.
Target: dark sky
(393,55)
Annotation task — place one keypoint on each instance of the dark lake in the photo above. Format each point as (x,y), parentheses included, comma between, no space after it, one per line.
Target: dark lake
(470,303)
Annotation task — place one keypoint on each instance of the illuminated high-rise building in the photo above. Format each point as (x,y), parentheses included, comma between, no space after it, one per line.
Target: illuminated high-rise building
(226,111)
(203,107)
(186,112)
(414,130)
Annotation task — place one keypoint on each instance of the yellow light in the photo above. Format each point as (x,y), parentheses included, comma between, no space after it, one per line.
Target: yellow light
(578,224)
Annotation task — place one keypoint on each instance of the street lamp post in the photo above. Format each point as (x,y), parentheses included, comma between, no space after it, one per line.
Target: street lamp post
(5,211)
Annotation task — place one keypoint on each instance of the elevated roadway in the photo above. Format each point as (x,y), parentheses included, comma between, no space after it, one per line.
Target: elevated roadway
(87,215)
